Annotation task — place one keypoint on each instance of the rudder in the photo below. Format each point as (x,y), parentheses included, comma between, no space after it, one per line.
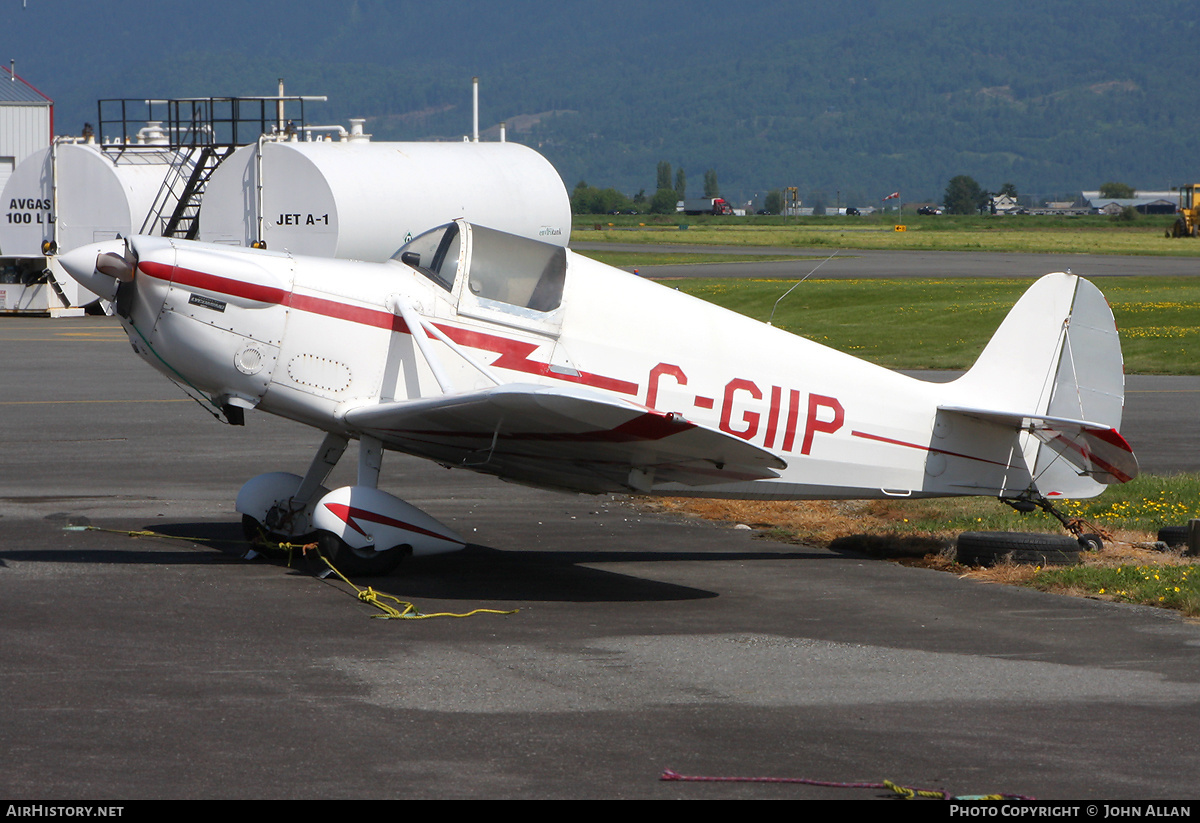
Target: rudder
(1057,356)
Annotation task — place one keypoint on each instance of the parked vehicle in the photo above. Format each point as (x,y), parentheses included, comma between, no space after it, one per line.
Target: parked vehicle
(707,205)
(1188,222)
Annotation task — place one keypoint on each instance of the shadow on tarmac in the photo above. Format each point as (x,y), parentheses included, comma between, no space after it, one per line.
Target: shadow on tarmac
(475,573)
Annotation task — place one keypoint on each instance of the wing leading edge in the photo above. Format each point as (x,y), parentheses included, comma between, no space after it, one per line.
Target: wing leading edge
(563,437)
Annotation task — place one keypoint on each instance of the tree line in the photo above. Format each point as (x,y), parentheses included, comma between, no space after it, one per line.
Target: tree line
(669,190)
(965,196)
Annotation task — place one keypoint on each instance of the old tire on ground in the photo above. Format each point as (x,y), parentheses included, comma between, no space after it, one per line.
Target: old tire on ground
(354,562)
(989,548)
(1173,536)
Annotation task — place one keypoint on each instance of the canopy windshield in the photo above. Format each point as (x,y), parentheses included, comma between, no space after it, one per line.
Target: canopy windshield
(434,254)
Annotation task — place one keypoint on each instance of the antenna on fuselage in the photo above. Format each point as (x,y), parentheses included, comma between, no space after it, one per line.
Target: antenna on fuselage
(797,283)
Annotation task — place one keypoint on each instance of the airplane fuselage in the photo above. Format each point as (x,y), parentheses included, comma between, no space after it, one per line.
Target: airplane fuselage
(312,338)
(502,354)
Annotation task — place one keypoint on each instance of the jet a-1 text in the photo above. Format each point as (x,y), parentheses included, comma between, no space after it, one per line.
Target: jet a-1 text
(501,354)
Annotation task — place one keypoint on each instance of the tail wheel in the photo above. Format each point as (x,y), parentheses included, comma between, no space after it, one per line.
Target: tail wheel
(355,562)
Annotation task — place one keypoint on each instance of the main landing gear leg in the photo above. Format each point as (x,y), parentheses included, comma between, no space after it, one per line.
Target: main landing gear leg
(328,455)
(370,458)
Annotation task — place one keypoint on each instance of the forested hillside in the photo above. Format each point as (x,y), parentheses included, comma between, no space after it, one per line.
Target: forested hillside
(851,100)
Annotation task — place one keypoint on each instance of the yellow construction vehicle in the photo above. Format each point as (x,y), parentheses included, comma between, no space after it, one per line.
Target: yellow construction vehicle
(1188,224)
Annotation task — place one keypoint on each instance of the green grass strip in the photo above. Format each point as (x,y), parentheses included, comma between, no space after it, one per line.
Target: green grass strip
(945,323)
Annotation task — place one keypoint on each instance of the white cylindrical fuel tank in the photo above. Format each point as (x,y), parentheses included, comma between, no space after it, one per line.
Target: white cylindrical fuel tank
(363,200)
(100,194)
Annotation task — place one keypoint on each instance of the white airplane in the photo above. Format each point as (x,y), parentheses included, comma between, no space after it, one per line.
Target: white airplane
(486,351)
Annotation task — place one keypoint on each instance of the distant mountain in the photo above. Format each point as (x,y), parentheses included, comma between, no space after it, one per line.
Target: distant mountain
(849,101)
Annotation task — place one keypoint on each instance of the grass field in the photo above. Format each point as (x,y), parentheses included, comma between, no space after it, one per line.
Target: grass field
(921,532)
(1023,233)
(944,324)
(1135,511)
(636,259)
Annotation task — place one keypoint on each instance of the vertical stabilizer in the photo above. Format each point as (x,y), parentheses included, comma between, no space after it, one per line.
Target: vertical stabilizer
(1056,355)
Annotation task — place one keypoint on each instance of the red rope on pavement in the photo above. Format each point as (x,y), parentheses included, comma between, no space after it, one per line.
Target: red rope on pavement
(906,792)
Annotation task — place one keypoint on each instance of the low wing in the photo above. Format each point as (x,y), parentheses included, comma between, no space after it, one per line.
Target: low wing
(1094,449)
(563,437)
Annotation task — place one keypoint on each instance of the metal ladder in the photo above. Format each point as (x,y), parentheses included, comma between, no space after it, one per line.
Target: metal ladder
(184,188)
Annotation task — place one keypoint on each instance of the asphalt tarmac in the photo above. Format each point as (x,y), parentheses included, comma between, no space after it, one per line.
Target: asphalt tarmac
(153,667)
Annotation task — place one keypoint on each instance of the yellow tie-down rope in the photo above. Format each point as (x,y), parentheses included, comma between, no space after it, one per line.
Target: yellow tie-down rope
(372,597)
(367,595)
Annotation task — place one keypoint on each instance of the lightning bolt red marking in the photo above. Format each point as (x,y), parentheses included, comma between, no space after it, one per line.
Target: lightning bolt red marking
(514,356)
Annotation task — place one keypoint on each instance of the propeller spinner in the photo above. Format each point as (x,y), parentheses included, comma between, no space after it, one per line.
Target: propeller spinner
(101,267)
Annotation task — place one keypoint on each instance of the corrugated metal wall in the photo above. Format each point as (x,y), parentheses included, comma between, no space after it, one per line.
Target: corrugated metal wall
(24,129)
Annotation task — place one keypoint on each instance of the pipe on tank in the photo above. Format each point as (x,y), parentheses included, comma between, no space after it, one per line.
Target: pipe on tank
(279,108)
(152,134)
(341,131)
(260,231)
(54,192)
(475,95)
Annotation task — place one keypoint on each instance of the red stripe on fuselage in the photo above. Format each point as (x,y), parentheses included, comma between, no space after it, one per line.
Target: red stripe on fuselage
(514,354)
(918,446)
(344,311)
(213,283)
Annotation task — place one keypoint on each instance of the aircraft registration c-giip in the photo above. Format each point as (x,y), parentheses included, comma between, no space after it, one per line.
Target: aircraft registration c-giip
(501,354)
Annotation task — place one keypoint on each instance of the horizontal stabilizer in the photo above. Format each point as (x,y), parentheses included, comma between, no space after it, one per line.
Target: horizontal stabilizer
(564,437)
(1094,449)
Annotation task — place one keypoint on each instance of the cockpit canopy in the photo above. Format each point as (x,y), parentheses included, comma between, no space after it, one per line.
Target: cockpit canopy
(435,254)
(501,268)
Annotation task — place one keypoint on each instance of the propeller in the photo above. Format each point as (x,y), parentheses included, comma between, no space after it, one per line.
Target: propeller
(115,266)
(101,268)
